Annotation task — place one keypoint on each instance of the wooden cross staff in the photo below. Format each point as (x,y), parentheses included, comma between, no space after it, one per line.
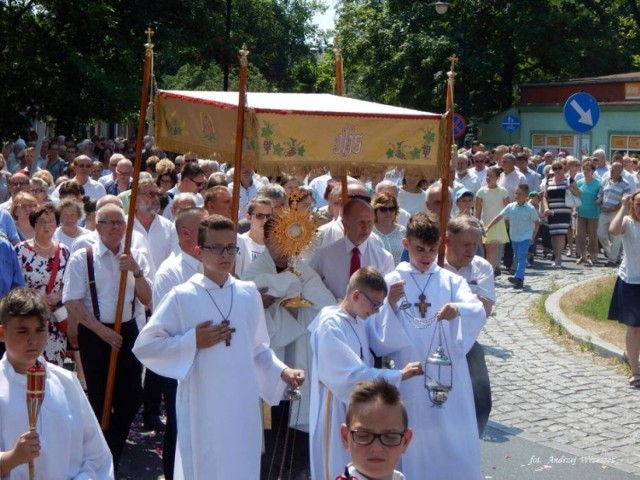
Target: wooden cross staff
(117,327)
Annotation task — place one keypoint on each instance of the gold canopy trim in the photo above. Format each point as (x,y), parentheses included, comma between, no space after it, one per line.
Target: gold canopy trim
(302,130)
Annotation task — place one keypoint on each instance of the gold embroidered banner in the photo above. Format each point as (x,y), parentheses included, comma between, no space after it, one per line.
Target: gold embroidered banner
(302,130)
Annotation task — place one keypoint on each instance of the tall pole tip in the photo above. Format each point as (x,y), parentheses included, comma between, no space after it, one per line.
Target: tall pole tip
(243,54)
(149,31)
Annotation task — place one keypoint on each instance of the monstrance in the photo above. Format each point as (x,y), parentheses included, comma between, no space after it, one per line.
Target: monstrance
(293,232)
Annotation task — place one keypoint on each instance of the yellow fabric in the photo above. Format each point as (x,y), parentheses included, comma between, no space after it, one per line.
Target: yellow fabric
(277,139)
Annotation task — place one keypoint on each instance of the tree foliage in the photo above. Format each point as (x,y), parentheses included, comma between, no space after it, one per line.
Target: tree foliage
(397,51)
(72,62)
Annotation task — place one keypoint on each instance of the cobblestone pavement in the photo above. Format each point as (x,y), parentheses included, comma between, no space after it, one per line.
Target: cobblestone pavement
(560,396)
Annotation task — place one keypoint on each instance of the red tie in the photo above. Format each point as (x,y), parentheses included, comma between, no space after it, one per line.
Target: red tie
(355,261)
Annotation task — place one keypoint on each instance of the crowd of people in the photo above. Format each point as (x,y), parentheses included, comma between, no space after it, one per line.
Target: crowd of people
(214,320)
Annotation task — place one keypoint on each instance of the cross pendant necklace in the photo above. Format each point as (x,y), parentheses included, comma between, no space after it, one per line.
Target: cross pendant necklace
(225,319)
(422,305)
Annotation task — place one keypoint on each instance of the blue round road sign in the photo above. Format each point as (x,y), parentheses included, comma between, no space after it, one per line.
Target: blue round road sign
(510,123)
(459,125)
(581,112)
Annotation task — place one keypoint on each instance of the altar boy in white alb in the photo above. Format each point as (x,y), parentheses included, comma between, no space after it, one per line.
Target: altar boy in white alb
(342,358)
(210,334)
(445,444)
(67,442)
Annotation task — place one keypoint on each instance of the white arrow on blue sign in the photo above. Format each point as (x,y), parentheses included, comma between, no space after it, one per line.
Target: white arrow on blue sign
(581,112)
(510,123)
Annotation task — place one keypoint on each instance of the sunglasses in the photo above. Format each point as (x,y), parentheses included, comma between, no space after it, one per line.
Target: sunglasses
(198,184)
(387,209)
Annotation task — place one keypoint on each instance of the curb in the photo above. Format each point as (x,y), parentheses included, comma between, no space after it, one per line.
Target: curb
(552,307)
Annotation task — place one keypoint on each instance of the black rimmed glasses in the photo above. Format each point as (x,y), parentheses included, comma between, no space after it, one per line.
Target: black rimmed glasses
(262,216)
(364,437)
(375,305)
(221,249)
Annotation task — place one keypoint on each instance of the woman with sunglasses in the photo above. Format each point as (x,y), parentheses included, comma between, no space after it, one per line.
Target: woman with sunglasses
(555,208)
(385,207)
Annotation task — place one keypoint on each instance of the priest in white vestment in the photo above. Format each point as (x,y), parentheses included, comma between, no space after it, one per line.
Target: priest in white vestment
(210,334)
(445,444)
(287,327)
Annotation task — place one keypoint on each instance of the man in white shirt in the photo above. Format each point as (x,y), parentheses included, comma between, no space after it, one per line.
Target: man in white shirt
(96,312)
(480,167)
(465,175)
(510,177)
(161,238)
(335,263)
(82,168)
(463,237)
(334,230)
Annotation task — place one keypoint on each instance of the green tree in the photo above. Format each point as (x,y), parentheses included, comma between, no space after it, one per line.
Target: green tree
(72,62)
(397,51)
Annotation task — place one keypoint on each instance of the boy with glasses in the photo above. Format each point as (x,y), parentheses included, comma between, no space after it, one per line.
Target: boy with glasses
(210,334)
(375,406)
(341,358)
(421,294)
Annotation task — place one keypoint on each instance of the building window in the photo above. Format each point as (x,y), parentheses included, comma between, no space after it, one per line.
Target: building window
(556,142)
(626,144)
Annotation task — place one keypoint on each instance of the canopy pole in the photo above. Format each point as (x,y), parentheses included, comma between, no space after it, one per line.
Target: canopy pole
(339,90)
(108,394)
(237,164)
(446,175)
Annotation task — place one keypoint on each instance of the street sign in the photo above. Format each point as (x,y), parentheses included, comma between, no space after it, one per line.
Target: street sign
(581,112)
(459,125)
(510,123)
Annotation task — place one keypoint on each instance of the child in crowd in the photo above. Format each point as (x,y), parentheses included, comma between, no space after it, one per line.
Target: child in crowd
(67,442)
(523,226)
(376,431)
(465,201)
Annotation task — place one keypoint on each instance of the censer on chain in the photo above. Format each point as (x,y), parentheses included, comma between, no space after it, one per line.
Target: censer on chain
(438,369)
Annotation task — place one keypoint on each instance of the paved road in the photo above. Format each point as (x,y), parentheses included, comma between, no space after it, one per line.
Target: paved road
(556,413)
(556,397)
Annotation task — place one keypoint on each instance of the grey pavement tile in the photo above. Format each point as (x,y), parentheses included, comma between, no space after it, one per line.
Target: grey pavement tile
(560,395)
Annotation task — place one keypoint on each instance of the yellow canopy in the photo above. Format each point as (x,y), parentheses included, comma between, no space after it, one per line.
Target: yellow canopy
(302,130)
